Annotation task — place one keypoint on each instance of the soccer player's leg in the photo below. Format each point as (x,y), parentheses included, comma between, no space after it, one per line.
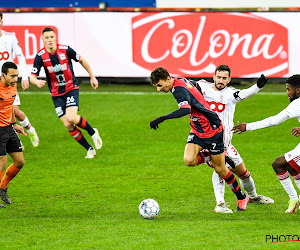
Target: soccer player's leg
(14,149)
(218,162)
(72,101)
(246,179)
(191,154)
(66,109)
(282,168)
(219,191)
(25,123)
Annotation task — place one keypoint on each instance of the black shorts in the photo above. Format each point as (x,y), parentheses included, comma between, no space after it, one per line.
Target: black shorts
(69,99)
(215,144)
(9,141)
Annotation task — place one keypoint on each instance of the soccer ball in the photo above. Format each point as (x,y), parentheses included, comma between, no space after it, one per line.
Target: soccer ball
(149,209)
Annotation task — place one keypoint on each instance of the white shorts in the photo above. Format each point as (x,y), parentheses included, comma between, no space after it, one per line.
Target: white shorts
(234,155)
(293,158)
(17,100)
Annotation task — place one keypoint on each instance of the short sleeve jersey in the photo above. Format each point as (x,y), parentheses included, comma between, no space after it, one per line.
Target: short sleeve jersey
(7,97)
(293,109)
(204,122)
(58,68)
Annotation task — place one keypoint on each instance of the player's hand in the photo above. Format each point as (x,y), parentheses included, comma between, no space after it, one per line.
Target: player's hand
(40,83)
(94,83)
(240,128)
(261,82)
(155,122)
(19,129)
(295,132)
(25,84)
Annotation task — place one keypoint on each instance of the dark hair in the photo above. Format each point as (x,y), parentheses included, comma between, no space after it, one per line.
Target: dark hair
(47,29)
(294,80)
(158,74)
(1,15)
(8,65)
(223,68)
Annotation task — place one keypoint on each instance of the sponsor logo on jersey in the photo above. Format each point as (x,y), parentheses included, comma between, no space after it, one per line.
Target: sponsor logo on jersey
(41,52)
(193,44)
(63,47)
(57,68)
(62,57)
(4,55)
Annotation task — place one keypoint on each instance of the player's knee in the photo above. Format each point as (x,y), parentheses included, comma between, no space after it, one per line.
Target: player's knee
(20,163)
(71,119)
(277,166)
(190,161)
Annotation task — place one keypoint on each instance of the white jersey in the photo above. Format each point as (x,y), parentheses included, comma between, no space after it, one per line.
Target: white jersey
(9,46)
(223,103)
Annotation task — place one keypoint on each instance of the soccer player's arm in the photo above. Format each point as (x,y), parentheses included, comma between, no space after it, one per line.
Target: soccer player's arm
(38,62)
(268,122)
(22,63)
(240,95)
(84,63)
(184,107)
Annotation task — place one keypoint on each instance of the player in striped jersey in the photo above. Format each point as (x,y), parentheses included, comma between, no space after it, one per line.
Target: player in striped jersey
(206,127)
(222,100)
(289,163)
(63,85)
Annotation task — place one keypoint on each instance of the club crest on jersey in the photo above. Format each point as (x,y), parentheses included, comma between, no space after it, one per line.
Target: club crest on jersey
(62,57)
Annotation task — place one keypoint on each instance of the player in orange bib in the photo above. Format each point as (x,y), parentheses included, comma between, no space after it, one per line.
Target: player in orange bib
(10,142)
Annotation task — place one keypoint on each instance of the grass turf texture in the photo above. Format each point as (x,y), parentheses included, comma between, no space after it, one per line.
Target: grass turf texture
(63,201)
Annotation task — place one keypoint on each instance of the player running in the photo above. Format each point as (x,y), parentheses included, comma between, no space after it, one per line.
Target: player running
(63,85)
(222,100)
(10,142)
(206,128)
(9,45)
(289,163)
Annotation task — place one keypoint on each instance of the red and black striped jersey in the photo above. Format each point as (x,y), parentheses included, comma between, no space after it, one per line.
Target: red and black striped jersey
(204,122)
(58,69)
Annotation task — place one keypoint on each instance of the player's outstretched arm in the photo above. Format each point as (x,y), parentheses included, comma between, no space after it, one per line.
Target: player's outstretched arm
(245,93)
(176,114)
(87,67)
(295,132)
(37,82)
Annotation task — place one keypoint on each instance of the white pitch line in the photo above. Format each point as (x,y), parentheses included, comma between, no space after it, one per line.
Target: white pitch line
(97,93)
(131,93)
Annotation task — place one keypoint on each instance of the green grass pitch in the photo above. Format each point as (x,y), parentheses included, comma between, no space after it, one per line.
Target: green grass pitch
(63,201)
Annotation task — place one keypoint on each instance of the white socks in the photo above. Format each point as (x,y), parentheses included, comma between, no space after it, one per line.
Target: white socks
(287,184)
(27,125)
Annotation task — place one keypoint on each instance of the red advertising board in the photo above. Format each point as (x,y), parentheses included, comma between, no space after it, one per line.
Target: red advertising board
(193,44)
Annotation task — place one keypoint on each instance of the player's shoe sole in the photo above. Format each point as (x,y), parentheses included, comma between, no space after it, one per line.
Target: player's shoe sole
(261,199)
